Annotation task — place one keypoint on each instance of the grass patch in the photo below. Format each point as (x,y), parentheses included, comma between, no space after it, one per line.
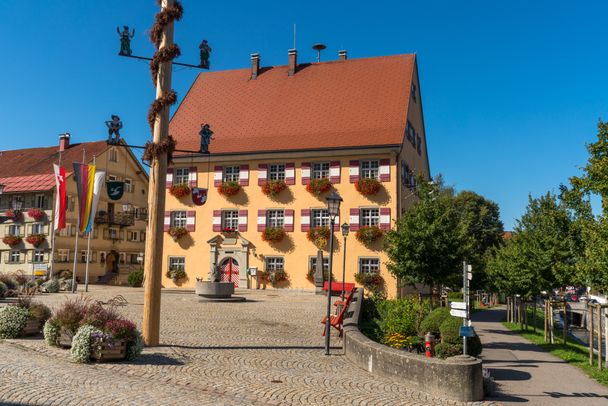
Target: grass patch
(573,353)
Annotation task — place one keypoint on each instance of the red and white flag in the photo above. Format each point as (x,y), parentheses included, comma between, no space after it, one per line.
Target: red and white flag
(60,199)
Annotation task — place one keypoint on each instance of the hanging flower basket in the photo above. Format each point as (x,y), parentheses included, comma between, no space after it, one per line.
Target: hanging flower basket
(368,186)
(273,187)
(35,239)
(11,240)
(318,186)
(177,232)
(35,213)
(277,276)
(15,215)
(228,188)
(369,234)
(273,234)
(179,190)
(175,274)
(319,236)
(369,280)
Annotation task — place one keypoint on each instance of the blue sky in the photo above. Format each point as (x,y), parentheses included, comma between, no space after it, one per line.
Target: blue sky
(511,90)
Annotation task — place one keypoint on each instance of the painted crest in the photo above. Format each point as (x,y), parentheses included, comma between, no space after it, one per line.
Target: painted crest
(199,195)
(116,189)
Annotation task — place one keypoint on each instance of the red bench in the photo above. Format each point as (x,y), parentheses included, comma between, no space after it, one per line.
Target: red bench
(335,320)
(336,287)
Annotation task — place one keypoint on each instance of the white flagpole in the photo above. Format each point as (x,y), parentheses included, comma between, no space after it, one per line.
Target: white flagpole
(75,256)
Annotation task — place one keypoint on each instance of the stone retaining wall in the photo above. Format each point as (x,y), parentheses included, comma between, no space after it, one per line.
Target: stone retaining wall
(459,378)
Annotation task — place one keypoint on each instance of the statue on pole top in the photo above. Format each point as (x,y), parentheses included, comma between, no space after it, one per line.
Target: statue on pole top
(114,127)
(206,137)
(205,52)
(125,40)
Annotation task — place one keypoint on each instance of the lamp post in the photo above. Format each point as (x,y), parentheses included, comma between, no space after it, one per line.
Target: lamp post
(345,230)
(333,208)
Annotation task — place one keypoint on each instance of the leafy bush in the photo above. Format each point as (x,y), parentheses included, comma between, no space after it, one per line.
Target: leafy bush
(135,347)
(8,280)
(318,186)
(450,330)
(455,296)
(400,316)
(433,320)
(66,284)
(12,321)
(70,314)
(450,336)
(98,316)
(136,278)
(40,312)
(3,290)
(81,344)
(51,332)
(52,285)
(445,350)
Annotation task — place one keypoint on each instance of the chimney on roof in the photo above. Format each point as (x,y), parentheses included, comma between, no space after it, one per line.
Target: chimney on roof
(64,141)
(293,61)
(255,65)
(342,55)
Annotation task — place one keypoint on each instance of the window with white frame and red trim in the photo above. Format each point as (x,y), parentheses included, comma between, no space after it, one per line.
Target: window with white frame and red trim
(275,218)
(230,220)
(369,216)
(178,219)
(181,176)
(231,173)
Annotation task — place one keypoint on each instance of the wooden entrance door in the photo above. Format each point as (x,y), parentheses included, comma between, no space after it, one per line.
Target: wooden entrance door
(229,271)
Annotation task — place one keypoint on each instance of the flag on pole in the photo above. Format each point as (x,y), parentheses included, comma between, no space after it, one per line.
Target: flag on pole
(99,179)
(60,198)
(85,179)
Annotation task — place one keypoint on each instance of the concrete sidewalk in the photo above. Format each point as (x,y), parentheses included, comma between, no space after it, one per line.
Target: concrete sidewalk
(525,373)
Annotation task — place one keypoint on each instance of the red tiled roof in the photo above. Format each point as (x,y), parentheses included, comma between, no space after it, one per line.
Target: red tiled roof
(31,169)
(351,103)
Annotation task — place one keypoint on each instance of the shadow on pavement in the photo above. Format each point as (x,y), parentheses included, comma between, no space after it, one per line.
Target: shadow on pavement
(249,347)
(503,374)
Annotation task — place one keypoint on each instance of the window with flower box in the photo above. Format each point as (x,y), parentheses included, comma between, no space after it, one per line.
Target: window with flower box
(14,229)
(370,169)
(274,264)
(37,228)
(177,263)
(181,176)
(231,173)
(276,172)
(275,218)
(320,170)
(178,219)
(319,217)
(370,217)
(369,265)
(230,219)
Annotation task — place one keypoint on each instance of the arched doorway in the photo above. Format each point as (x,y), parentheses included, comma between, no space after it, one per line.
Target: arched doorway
(229,271)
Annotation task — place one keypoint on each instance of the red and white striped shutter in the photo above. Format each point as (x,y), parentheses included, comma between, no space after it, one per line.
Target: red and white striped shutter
(190,220)
(288,220)
(167,223)
(334,172)
(217,175)
(337,224)
(354,219)
(242,220)
(290,173)
(385,170)
(193,176)
(353,171)
(305,173)
(244,175)
(385,218)
(261,220)
(217,220)
(262,174)
(305,219)
(169,181)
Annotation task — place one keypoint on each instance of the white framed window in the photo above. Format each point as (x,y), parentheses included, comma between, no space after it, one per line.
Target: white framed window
(113,155)
(274,264)
(275,218)
(231,173)
(177,263)
(181,176)
(112,177)
(319,217)
(320,170)
(38,228)
(63,255)
(40,201)
(38,257)
(370,217)
(276,172)
(132,235)
(14,257)
(178,219)
(129,185)
(14,229)
(370,169)
(230,219)
(369,265)
(313,263)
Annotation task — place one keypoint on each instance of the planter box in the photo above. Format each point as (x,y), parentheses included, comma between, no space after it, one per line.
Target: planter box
(116,351)
(32,327)
(65,339)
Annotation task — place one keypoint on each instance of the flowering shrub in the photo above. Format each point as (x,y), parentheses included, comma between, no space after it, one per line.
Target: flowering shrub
(229,188)
(69,315)
(177,232)
(51,332)
(179,190)
(319,236)
(175,274)
(35,239)
(368,234)
(12,321)
(396,340)
(273,187)
(273,234)
(121,329)
(81,343)
(368,186)
(35,213)
(11,240)
(277,275)
(318,186)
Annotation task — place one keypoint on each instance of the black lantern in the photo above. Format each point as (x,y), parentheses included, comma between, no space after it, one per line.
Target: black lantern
(345,229)
(333,204)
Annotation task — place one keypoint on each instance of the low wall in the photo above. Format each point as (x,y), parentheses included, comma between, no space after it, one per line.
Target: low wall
(459,378)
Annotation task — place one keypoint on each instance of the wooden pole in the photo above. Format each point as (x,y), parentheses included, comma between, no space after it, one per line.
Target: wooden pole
(599,337)
(156,203)
(590,326)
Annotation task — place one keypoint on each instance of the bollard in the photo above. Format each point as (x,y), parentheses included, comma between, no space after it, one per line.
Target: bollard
(429,344)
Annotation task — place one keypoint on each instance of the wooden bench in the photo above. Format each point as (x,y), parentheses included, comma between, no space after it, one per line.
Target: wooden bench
(336,287)
(335,320)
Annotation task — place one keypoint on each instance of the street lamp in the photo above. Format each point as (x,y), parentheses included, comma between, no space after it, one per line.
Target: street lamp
(333,208)
(345,230)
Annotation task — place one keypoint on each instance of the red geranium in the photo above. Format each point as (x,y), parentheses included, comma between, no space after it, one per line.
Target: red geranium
(35,213)
(180,190)
(229,188)
(368,186)
(35,239)
(273,187)
(318,186)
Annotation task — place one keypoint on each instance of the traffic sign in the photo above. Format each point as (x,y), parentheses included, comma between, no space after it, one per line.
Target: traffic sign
(458,305)
(467,331)
(458,313)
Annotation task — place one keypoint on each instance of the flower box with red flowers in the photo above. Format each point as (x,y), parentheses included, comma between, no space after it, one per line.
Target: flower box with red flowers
(35,239)
(35,213)
(177,232)
(369,279)
(368,186)
(180,190)
(318,186)
(319,236)
(271,234)
(228,188)
(15,215)
(273,187)
(369,234)
(11,240)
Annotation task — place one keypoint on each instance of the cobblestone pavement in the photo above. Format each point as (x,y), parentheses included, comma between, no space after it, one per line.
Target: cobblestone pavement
(266,351)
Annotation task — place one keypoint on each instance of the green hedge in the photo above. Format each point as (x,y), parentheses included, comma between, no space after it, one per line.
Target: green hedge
(136,278)
(402,316)
(433,321)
